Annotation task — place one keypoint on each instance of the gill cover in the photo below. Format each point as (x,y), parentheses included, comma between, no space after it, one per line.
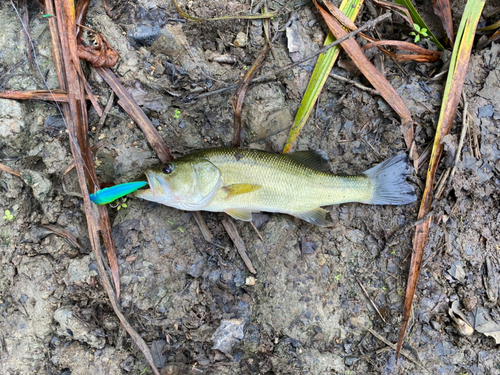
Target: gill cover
(190,184)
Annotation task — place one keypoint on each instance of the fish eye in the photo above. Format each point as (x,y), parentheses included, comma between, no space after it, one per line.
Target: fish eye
(167,169)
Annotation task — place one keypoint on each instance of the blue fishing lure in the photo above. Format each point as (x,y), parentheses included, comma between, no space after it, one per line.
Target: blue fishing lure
(110,194)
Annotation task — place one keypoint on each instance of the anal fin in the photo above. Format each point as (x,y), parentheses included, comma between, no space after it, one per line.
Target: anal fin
(240,214)
(315,216)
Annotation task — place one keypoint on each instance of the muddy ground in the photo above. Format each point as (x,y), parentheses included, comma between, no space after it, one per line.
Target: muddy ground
(192,301)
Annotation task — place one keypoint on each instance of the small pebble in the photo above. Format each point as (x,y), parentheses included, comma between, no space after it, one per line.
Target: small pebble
(229,333)
(436,325)
(486,111)
(241,40)
(321,260)
(250,280)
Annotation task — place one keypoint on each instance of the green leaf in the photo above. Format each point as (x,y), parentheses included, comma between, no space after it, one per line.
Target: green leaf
(418,20)
(8,215)
(417,27)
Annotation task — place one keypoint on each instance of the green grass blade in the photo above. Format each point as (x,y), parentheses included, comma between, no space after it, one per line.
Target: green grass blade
(464,39)
(318,78)
(454,84)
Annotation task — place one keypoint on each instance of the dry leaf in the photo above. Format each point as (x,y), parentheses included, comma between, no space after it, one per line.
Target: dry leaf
(490,280)
(461,323)
(443,10)
(99,55)
(483,323)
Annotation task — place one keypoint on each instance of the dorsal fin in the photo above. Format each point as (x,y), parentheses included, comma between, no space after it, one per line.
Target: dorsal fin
(316,160)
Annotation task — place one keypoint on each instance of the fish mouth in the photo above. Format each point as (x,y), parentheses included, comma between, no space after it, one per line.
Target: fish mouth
(157,186)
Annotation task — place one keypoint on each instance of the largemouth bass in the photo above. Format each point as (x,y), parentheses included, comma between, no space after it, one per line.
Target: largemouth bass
(240,182)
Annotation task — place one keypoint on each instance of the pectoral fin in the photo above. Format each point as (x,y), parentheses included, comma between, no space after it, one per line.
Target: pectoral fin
(237,189)
(315,216)
(240,214)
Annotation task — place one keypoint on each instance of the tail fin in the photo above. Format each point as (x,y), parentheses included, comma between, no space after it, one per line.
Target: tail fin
(389,182)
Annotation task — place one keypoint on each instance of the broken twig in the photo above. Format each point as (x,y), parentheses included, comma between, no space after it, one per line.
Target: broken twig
(207,235)
(4,168)
(238,243)
(371,301)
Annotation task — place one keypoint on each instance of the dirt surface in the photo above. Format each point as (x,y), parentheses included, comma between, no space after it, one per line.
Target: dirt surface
(194,303)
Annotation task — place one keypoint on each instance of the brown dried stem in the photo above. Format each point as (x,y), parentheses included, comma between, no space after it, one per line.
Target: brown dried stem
(4,168)
(68,68)
(127,102)
(238,243)
(239,95)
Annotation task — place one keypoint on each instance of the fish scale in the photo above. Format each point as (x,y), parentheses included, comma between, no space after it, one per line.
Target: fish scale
(288,186)
(240,182)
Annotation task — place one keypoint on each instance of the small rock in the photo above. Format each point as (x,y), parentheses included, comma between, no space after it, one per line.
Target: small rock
(457,272)
(39,183)
(171,42)
(229,333)
(355,235)
(322,261)
(300,43)
(55,157)
(11,118)
(157,352)
(128,364)
(350,360)
(486,111)
(198,266)
(144,34)
(36,234)
(239,279)
(80,272)
(241,39)
(266,114)
(214,276)
(469,302)
(54,125)
(436,325)
(308,247)
(250,281)
(76,329)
